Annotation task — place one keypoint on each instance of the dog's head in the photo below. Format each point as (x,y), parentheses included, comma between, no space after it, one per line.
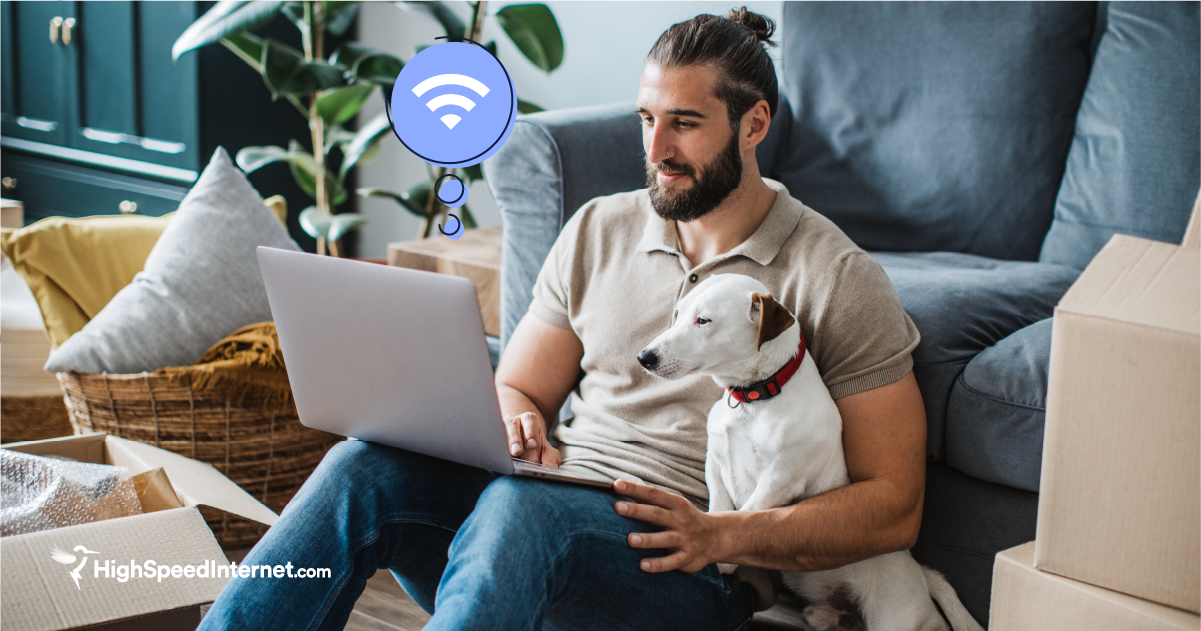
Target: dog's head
(729,327)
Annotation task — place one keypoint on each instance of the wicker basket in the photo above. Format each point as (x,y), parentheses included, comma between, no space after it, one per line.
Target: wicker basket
(265,451)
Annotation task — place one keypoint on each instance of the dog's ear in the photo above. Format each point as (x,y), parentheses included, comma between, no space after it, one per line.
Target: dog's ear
(774,319)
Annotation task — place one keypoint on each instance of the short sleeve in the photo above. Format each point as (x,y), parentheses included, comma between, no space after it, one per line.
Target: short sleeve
(866,338)
(552,288)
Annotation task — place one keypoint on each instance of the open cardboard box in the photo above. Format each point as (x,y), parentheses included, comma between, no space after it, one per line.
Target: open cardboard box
(1027,599)
(1120,498)
(41,595)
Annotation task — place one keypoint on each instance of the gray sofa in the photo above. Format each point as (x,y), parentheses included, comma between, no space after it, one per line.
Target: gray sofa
(983,152)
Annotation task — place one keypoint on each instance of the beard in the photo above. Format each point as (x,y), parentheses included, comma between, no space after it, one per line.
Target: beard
(709,189)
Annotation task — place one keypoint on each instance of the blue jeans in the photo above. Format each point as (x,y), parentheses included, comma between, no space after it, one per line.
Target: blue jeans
(475,550)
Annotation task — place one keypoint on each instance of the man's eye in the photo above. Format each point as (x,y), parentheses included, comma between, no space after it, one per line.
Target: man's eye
(702,321)
(685,124)
(646,120)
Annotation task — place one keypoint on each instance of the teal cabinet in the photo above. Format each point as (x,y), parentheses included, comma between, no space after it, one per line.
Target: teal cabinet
(96,117)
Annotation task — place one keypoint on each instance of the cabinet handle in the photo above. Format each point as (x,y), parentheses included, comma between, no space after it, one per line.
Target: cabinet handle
(56,23)
(8,183)
(68,24)
(127,207)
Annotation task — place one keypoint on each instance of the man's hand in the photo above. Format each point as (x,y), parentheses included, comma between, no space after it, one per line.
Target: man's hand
(527,439)
(694,537)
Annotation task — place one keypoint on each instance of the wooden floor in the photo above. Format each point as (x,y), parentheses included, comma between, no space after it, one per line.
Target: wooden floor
(384,606)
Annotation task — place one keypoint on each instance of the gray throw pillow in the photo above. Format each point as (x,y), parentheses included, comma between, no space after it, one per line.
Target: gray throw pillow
(201,282)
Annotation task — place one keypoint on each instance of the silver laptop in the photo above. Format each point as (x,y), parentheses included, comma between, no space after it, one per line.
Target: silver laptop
(391,355)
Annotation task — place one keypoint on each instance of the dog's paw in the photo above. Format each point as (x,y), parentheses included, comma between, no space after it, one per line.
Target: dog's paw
(727,568)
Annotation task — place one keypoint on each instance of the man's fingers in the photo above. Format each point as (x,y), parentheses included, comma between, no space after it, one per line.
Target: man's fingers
(550,456)
(529,429)
(648,494)
(663,564)
(646,512)
(513,433)
(666,539)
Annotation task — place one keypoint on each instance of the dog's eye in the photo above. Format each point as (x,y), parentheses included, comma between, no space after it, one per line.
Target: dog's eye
(702,321)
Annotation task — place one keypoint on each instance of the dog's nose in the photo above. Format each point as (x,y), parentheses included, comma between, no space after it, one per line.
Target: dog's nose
(648,358)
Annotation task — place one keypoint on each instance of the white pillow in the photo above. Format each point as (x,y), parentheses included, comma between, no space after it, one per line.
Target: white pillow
(201,282)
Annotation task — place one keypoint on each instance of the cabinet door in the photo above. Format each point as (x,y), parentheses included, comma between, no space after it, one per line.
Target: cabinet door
(134,101)
(39,73)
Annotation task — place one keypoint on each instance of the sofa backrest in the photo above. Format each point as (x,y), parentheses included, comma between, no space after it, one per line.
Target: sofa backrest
(1135,162)
(934,126)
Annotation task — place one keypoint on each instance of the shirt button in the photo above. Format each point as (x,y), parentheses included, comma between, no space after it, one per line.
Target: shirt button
(693,278)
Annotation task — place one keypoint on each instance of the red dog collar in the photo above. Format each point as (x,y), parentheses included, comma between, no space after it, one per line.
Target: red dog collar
(770,387)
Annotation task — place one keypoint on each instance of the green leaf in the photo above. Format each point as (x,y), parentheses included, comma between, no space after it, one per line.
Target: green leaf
(368,134)
(250,159)
(412,200)
(339,16)
(381,69)
(294,11)
(340,105)
(342,223)
(450,21)
(337,136)
(366,63)
(533,28)
(348,54)
(305,175)
(525,107)
(225,18)
(384,194)
(315,222)
(491,47)
(286,72)
(248,48)
(474,173)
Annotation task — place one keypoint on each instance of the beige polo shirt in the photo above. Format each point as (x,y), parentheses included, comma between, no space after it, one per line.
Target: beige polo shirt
(614,277)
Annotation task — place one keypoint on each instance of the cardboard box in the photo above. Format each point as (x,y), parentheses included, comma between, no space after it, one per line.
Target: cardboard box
(1120,498)
(474,256)
(1026,599)
(41,595)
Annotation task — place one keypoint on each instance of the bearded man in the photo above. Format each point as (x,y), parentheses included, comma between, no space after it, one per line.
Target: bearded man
(478,550)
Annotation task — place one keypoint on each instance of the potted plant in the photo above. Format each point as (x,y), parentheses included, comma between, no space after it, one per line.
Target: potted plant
(330,87)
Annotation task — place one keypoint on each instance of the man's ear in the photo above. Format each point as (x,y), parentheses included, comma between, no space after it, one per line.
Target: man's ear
(774,319)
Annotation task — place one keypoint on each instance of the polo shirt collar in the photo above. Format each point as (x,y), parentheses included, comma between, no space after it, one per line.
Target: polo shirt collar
(762,246)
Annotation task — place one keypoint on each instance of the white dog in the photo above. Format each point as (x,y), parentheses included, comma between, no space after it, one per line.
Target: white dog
(776,439)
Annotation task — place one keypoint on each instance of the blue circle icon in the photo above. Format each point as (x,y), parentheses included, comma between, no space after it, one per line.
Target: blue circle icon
(453,105)
(451,191)
(455,224)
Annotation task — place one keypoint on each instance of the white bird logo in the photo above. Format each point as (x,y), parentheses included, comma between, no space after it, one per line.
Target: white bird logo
(66,558)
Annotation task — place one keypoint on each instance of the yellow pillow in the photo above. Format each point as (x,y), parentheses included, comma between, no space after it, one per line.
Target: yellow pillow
(75,266)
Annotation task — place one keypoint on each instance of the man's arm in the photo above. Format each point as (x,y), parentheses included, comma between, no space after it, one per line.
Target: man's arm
(884,437)
(540,367)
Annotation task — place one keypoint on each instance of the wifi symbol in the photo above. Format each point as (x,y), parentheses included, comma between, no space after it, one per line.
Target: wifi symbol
(450,120)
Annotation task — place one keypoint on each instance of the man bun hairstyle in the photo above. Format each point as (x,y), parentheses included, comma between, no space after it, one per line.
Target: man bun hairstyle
(733,44)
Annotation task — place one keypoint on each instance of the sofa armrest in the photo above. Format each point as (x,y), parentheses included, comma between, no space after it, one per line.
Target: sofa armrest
(553,163)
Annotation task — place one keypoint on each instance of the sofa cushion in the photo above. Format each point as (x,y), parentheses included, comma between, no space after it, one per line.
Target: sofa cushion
(932,126)
(963,304)
(200,283)
(997,408)
(1135,162)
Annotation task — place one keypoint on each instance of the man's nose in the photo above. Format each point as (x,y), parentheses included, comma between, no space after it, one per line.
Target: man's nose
(648,358)
(658,146)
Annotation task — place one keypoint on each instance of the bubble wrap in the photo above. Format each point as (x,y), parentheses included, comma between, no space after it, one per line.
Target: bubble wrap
(38,493)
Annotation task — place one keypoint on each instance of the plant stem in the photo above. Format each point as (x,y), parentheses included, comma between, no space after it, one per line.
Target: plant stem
(428,222)
(314,41)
